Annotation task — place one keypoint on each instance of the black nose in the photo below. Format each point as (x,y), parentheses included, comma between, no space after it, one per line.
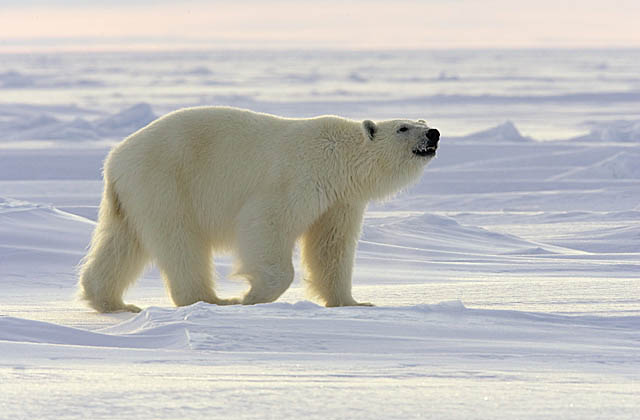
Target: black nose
(433,135)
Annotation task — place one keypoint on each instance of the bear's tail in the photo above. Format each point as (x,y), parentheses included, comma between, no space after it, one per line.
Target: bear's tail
(115,258)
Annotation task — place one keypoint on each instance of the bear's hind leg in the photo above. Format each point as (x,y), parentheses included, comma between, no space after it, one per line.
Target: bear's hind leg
(268,283)
(115,259)
(185,261)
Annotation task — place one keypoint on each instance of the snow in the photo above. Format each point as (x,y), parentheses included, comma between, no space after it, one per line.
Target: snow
(505,132)
(506,279)
(126,121)
(614,131)
(44,126)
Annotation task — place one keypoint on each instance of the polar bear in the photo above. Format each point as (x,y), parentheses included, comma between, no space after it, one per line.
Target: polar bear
(219,179)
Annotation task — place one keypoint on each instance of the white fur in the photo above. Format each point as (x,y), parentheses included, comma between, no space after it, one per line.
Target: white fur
(216,179)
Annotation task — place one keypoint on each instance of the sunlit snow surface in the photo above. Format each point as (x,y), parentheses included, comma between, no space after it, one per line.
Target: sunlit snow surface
(507,279)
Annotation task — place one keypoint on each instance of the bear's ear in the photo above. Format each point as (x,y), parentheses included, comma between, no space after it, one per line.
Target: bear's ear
(370,128)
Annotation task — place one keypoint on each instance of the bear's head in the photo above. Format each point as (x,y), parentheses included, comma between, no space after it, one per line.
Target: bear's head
(398,151)
(414,137)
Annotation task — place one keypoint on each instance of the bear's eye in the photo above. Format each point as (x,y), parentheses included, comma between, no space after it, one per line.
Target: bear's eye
(402,129)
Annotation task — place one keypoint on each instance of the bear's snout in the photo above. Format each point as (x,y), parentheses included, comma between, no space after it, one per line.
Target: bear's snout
(433,136)
(428,143)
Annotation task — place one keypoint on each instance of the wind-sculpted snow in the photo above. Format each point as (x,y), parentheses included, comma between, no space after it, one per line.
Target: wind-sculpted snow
(22,330)
(46,126)
(505,280)
(19,80)
(66,124)
(422,331)
(126,121)
(445,235)
(621,165)
(42,234)
(506,132)
(614,131)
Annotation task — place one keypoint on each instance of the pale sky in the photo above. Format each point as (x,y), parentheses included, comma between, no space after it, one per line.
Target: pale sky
(76,24)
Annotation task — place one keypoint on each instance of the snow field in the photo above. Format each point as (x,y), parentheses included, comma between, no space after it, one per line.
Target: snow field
(506,279)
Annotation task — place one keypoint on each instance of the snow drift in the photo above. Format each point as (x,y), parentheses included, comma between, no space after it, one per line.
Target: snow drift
(531,247)
(42,125)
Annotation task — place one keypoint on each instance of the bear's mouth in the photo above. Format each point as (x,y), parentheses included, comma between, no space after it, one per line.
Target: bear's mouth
(424,151)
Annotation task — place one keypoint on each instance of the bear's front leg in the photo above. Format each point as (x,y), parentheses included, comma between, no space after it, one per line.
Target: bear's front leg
(264,253)
(328,253)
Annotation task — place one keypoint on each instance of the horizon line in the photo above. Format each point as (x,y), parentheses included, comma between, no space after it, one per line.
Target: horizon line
(137,44)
